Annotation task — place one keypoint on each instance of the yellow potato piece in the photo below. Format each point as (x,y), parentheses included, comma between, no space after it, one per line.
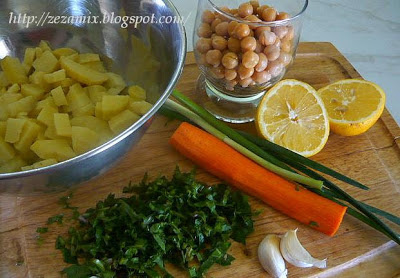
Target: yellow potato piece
(13,70)
(14,130)
(58,149)
(122,121)
(81,73)
(7,151)
(83,139)
(47,62)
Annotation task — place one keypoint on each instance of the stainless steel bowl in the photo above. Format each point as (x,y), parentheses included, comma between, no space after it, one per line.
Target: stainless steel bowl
(132,58)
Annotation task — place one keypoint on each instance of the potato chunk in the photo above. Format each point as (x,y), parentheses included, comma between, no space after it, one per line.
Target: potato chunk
(122,121)
(83,139)
(81,73)
(14,130)
(7,151)
(13,70)
(112,105)
(28,136)
(32,90)
(13,165)
(25,104)
(59,96)
(56,76)
(59,149)
(47,62)
(62,124)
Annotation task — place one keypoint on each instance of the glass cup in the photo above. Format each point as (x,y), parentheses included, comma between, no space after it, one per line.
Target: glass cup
(242,49)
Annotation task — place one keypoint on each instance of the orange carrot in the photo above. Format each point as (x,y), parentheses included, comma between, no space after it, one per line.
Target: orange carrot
(226,163)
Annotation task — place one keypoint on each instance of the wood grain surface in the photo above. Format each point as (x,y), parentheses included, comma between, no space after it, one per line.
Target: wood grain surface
(356,250)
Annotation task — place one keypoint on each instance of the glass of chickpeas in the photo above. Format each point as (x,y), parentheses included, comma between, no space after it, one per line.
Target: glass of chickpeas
(242,49)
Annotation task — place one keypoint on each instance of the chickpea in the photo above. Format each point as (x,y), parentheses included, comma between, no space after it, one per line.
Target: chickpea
(222,16)
(246,82)
(260,30)
(274,68)
(262,62)
(282,16)
(230,60)
(231,27)
(286,45)
(230,74)
(215,23)
(203,45)
(261,77)
(219,43)
(218,72)
(267,38)
(235,12)
(213,57)
(250,59)
(285,58)
(204,30)
(252,18)
(230,84)
(290,33)
(269,14)
(222,29)
(202,60)
(277,42)
(280,31)
(255,5)
(234,45)
(245,9)
(244,72)
(260,10)
(259,47)
(248,43)
(272,52)
(241,31)
(208,16)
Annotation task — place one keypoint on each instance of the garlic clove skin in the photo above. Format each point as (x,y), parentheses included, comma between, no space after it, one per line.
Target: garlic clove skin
(270,256)
(296,254)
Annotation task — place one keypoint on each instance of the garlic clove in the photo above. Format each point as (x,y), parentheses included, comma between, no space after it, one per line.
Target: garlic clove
(270,256)
(296,254)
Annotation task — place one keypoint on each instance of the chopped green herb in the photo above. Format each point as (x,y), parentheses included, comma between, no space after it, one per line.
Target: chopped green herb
(42,230)
(180,221)
(313,224)
(56,219)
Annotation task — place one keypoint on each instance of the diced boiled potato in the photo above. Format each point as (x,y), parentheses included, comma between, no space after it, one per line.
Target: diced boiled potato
(137,92)
(97,66)
(38,78)
(83,139)
(56,76)
(13,89)
(51,133)
(32,90)
(13,70)
(38,52)
(97,125)
(8,98)
(46,115)
(96,93)
(87,110)
(47,62)
(59,96)
(7,151)
(3,126)
(140,107)
(115,81)
(28,136)
(3,80)
(62,124)
(77,97)
(48,101)
(113,105)
(88,57)
(66,83)
(44,46)
(58,149)
(4,111)
(81,73)
(27,68)
(25,104)
(14,129)
(98,110)
(64,51)
(122,121)
(13,165)
(29,56)
(40,164)
(114,91)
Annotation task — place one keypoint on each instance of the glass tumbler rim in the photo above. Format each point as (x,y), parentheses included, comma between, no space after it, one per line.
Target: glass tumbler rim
(263,23)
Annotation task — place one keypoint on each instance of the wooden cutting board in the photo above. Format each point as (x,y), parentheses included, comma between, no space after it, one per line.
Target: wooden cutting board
(355,251)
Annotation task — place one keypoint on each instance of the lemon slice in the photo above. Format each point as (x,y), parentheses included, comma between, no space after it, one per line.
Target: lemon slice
(353,105)
(292,115)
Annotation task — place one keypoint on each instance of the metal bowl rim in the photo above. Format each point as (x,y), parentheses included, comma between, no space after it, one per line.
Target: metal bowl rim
(168,90)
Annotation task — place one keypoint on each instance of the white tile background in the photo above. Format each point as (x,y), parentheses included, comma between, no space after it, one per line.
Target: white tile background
(366,32)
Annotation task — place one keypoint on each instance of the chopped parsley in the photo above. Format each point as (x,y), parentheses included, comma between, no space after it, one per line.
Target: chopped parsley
(180,221)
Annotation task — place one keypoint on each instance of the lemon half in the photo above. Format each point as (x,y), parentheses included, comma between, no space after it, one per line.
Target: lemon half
(292,115)
(353,105)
